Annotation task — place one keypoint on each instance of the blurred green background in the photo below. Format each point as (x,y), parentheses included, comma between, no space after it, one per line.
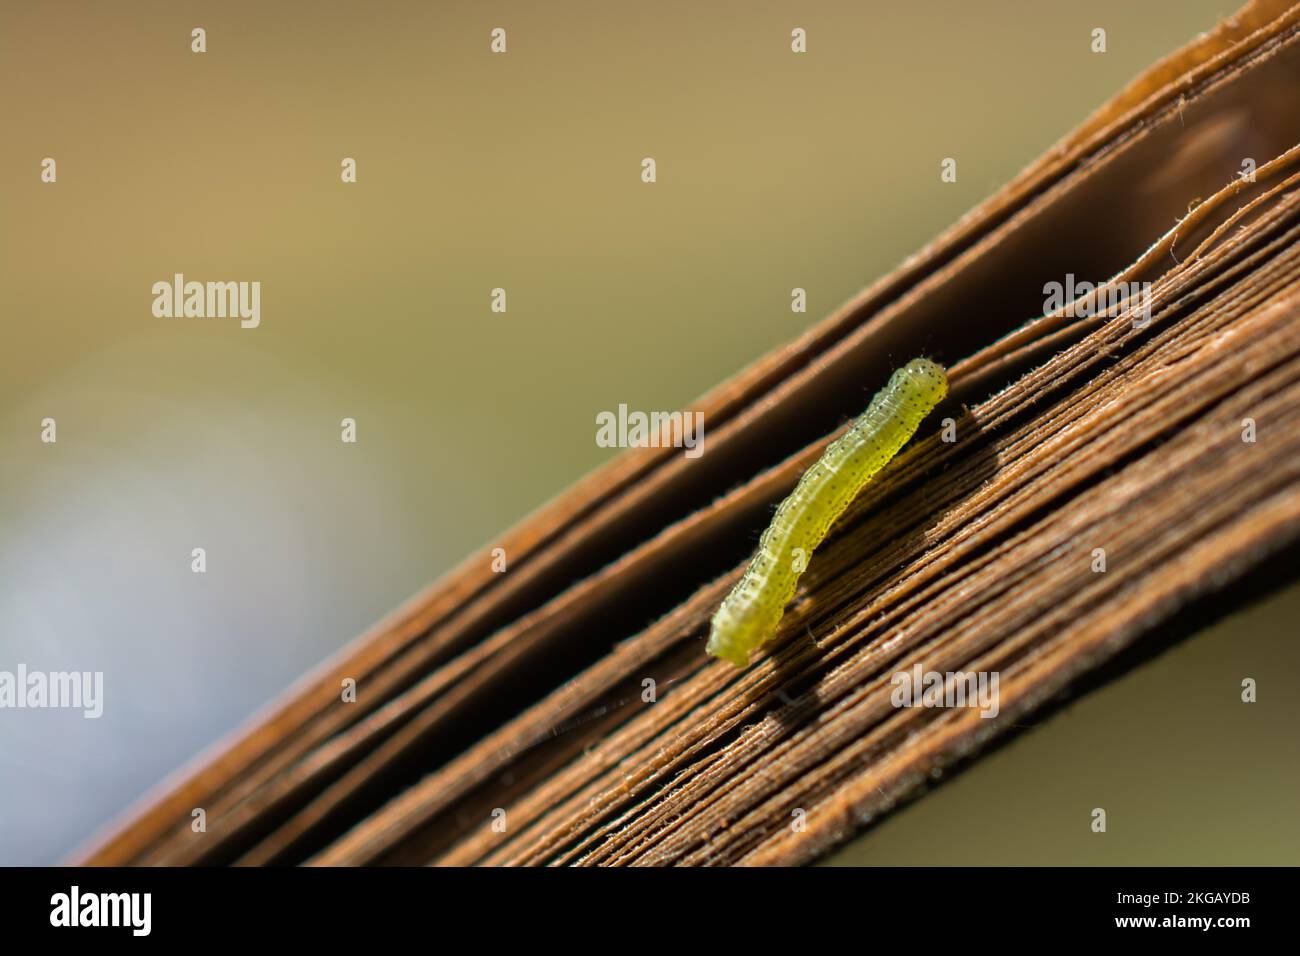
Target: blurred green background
(475,171)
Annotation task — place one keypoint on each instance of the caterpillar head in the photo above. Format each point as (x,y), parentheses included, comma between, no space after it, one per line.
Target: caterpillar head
(927,377)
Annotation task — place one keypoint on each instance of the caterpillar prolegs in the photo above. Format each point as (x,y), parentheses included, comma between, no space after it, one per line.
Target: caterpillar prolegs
(751,612)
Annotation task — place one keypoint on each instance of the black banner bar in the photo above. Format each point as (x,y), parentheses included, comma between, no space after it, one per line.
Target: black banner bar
(365,907)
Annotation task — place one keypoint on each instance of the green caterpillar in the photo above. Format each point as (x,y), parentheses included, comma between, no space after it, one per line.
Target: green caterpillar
(751,612)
